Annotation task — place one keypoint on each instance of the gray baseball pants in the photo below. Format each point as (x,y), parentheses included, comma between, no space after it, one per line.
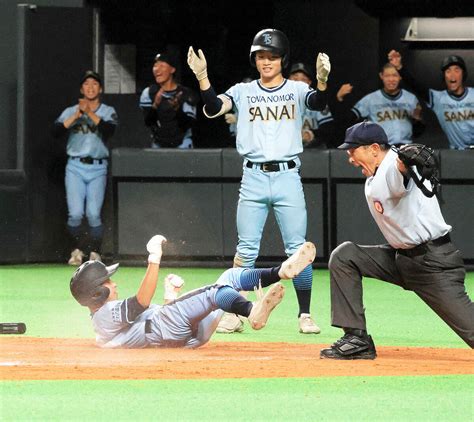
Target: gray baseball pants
(435,272)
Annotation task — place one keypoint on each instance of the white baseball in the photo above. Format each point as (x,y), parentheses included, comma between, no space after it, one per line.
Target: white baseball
(174,280)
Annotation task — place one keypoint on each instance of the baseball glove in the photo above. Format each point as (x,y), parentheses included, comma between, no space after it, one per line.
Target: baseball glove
(426,163)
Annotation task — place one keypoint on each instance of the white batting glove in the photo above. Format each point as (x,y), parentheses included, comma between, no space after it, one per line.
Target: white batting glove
(323,67)
(173,285)
(155,248)
(197,63)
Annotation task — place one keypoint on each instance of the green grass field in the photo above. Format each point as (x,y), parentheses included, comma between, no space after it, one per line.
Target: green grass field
(39,296)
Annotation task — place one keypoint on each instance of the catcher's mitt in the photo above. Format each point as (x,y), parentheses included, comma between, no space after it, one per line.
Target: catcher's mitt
(426,163)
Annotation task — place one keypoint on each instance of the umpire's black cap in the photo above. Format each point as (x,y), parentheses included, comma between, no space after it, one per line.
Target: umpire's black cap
(91,74)
(364,133)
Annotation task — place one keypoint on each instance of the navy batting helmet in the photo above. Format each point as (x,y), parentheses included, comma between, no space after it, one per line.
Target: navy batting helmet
(271,40)
(455,60)
(86,283)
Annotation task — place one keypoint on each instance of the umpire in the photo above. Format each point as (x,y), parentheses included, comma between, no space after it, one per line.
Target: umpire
(419,255)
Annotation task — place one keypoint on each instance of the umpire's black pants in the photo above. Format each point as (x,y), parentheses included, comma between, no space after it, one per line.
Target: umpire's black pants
(434,272)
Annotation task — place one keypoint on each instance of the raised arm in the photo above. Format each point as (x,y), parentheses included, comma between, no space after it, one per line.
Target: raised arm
(395,58)
(147,288)
(213,105)
(318,99)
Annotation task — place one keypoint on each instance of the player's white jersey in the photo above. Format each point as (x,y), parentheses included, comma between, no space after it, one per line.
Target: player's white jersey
(393,113)
(455,115)
(85,140)
(405,216)
(270,120)
(115,328)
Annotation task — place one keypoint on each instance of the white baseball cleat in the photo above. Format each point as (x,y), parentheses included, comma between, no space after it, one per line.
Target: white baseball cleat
(307,325)
(76,258)
(265,304)
(230,323)
(298,261)
(94,256)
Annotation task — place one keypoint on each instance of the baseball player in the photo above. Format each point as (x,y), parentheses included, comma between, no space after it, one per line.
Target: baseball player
(453,106)
(188,321)
(169,108)
(419,255)
(269,126)
(396,110)
(88,124)
(317,125)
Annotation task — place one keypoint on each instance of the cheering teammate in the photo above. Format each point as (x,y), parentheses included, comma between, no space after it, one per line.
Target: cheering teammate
(88,126)
(454,106)
(269,126)
(396,110)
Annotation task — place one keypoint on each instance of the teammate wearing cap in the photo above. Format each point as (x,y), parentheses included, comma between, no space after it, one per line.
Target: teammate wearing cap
(269,125)
(318,126)
(188,321)
(397,110)
(88,125)
(419,255)
(169,108)
(453,106)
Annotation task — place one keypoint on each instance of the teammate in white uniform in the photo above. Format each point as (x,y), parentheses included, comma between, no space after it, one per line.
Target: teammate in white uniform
(454,106)
(269,125)
(188,321)
(419,255)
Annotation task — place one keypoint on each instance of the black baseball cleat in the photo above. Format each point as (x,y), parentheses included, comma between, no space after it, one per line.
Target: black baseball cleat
(350,347)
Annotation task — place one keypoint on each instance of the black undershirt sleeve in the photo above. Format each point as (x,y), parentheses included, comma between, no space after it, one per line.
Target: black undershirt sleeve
(212,102)
(106,128)
(131,309)
(317,100)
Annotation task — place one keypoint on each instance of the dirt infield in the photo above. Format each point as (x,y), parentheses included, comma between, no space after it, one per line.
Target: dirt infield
(27,358)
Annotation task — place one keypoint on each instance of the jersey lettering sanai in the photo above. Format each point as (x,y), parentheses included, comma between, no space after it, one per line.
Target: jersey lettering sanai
(385,115)
(270,119)
(455,115)
(273,113)
(393,113)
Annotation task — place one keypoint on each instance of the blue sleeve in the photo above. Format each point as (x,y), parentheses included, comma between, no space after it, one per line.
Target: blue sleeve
(68,112)
(362,107)
(110,116)
(145,100)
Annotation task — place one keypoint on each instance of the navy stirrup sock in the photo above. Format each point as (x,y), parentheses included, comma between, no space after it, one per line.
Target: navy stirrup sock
(232,301)
(250,278)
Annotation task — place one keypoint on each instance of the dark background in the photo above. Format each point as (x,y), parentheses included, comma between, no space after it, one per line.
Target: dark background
(57,37)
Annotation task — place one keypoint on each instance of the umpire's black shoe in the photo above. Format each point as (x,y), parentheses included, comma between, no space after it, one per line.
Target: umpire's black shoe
(351,347)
